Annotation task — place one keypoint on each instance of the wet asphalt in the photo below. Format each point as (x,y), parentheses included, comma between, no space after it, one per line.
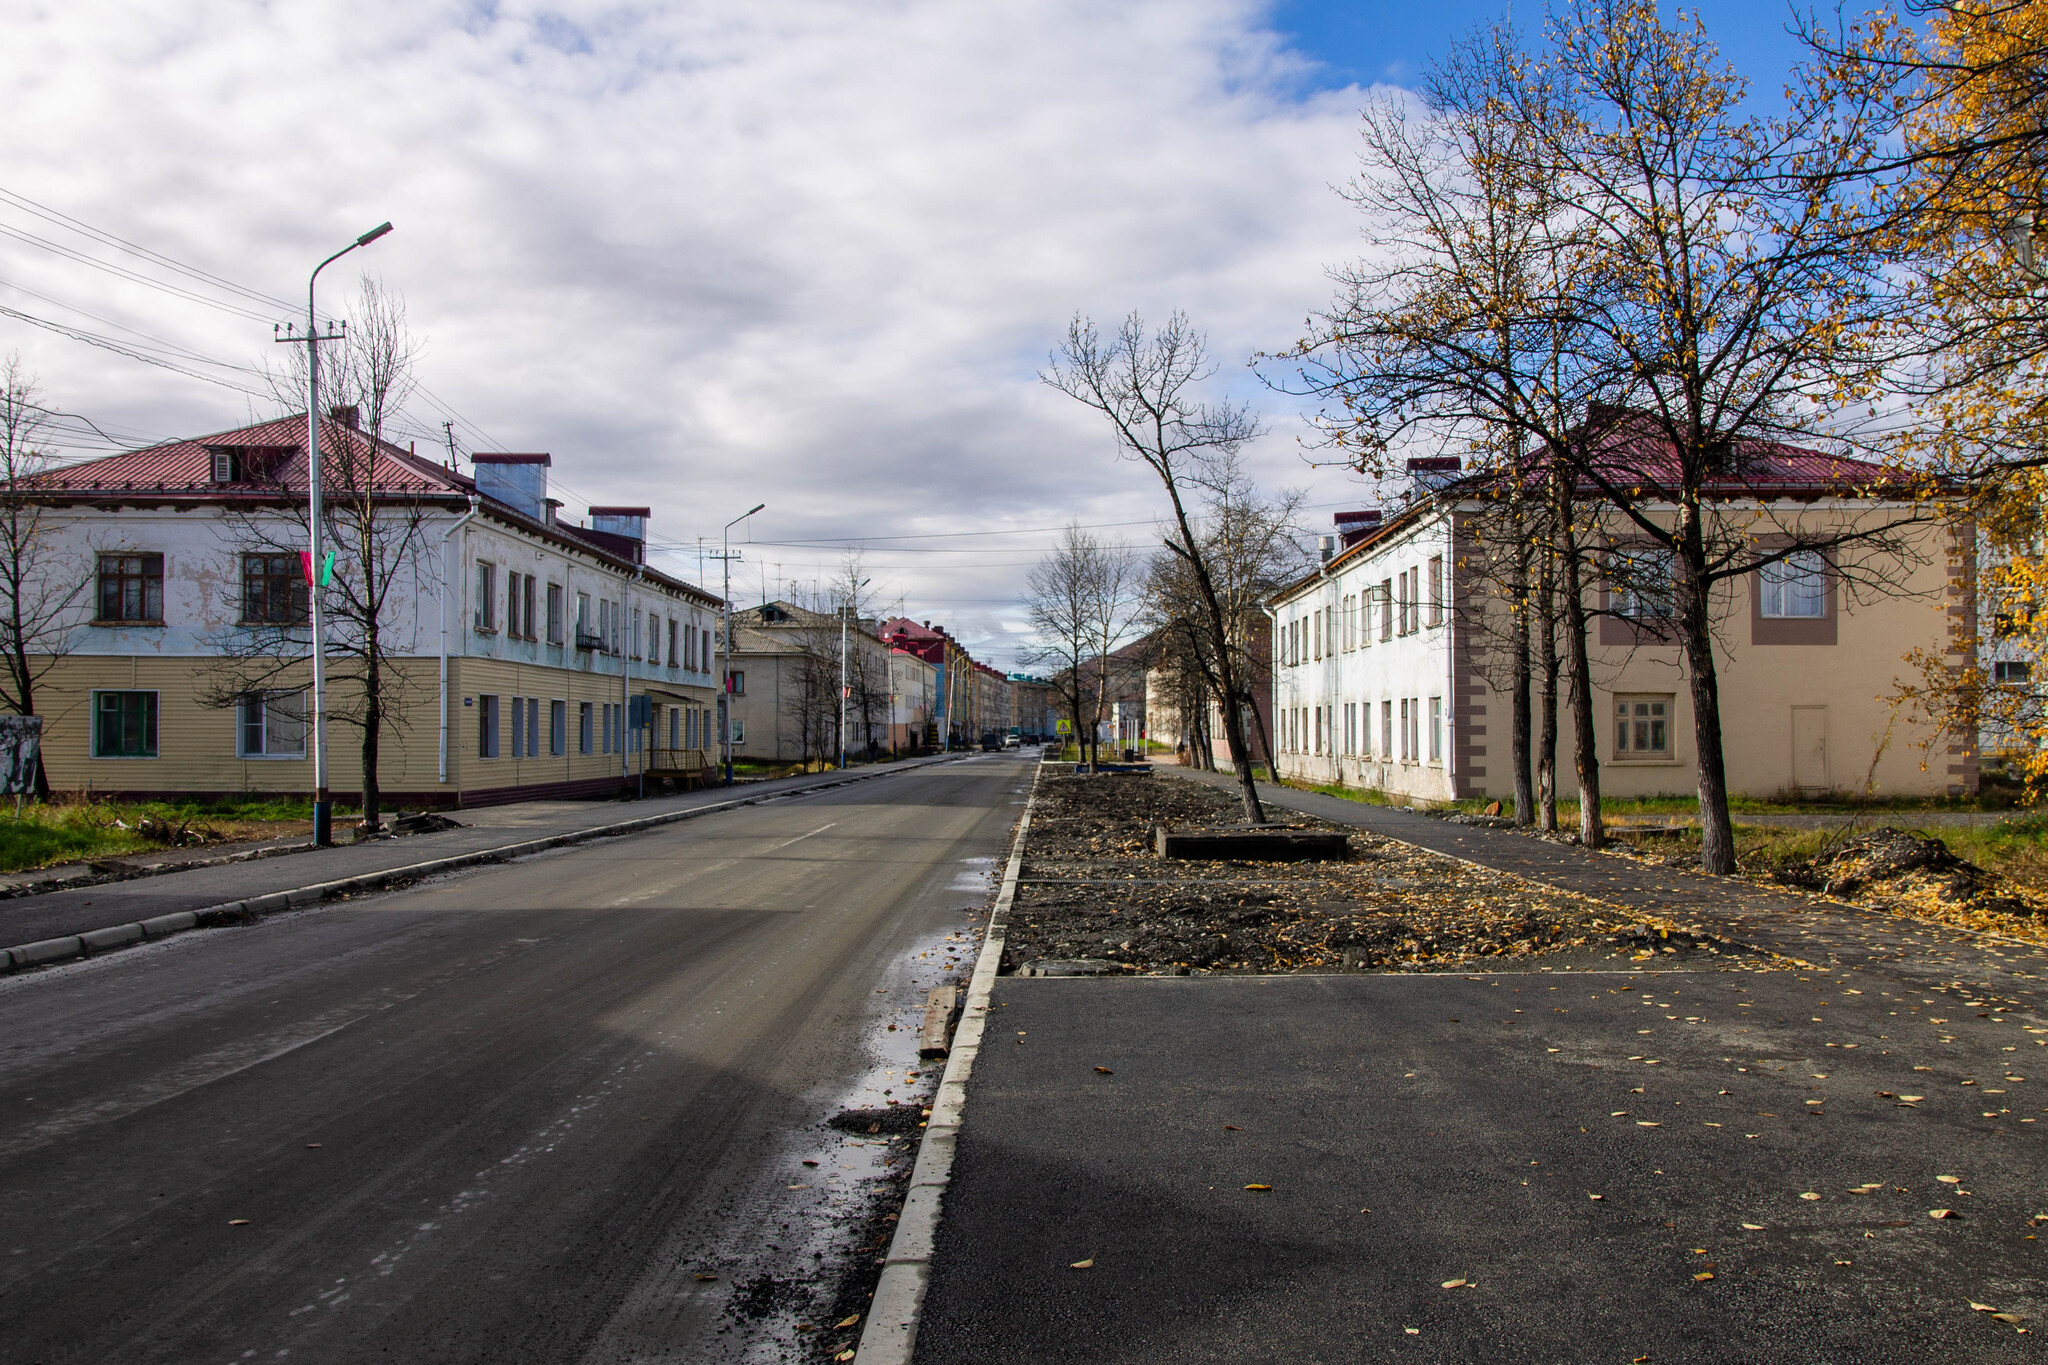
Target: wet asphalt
(556,1110)
(1765,1148)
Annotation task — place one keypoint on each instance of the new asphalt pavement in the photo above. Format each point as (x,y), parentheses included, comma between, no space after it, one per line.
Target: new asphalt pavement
(554,1110)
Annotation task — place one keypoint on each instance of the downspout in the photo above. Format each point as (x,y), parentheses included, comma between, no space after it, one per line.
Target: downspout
(446,582)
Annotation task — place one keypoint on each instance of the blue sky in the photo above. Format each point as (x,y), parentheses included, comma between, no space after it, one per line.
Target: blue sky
(1365,43)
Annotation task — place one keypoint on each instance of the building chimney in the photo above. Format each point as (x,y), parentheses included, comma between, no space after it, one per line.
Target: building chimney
(347,414)
(518,481)
(1353,527)
(1326,548)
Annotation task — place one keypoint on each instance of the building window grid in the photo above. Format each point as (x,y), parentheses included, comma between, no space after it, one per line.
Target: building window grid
(486,597)
(1436,590)
(273,590)
(1642,726)
(554,611)
(124,724)
(271,725)
(586,738)
(131,588)
(486,725)
(558,728)
(1795,587)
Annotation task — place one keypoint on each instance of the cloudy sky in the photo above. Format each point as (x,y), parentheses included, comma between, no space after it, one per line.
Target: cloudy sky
(806,252)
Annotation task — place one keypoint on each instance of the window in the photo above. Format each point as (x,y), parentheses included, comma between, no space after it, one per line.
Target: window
(1316,734)
(554,600)
(1365,728)
(604,624)
(486,597)
(739,731)
(1436,590)
(272,725)
(1386,729)
(1414,600)
(1641,579)
(558,728)
(604,736)
(532,724)
(690,648)
(273,590)
(1413,739)
(519,596)
(738,685)
(124,725)
(585,725)
(223,466)
(582,613)
(1319,635)
(674,659)
(675,727)
(1386,608)
(132,588)
(1642,727)
(486,727)
(2012,671)
(512,621)
(1406,751)
(1796,587)
(1436,729)
(704,655)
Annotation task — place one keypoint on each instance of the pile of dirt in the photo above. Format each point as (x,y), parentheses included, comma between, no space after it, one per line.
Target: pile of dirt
(1912,871)
(1092,891)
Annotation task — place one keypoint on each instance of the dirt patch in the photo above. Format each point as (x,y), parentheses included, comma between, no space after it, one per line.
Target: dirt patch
(1919,875)
(1092,891)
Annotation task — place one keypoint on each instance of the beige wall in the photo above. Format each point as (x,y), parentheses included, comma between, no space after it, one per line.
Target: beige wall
(196,744)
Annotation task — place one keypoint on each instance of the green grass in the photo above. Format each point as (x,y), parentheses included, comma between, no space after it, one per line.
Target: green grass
(70,829)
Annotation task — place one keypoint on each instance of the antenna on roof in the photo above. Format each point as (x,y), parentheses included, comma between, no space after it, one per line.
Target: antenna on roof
(448,428)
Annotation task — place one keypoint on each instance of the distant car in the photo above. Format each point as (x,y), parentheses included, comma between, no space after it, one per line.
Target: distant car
(1013,741)
(990,742)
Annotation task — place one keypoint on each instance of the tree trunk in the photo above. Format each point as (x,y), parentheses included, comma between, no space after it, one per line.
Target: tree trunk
(1585,739)
(1518,741)
(1546,645)
(373,734)
(1717,834)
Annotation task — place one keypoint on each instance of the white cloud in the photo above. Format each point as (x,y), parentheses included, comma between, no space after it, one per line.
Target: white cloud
(803,252)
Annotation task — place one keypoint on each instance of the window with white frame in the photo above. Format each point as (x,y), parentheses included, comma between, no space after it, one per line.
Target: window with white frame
(1387,729)
(1642,727)
(1407,749)
(1386,608)
(486,596)
(1365,728)
(1436,729)
(2012,672)
(1795,587)
(1436,590)
(271,725)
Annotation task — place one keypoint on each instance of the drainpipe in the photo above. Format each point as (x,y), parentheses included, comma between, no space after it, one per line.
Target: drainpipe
(446,579)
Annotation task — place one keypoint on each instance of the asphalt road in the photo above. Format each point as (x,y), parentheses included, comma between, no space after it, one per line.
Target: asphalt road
(516,1114)
(1765,1148)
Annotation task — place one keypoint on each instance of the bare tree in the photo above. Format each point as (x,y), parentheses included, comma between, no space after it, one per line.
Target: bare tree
(375,517)
(40,586)
(1081,601)
(1146,384)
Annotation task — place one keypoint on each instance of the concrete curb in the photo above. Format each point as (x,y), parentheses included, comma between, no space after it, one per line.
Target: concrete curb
(253,908)
(890,1334)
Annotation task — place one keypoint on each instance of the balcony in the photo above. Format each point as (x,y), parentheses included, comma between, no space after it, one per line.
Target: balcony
(589,639)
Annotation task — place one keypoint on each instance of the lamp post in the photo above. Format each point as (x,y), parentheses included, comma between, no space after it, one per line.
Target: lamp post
(323,808)
(845,615)
(725,644)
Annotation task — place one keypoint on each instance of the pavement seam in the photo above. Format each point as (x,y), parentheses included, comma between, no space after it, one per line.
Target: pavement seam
(890,1334)
(248,910)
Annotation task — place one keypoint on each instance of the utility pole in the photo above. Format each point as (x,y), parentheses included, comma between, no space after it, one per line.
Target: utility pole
(725,644)
(448,430)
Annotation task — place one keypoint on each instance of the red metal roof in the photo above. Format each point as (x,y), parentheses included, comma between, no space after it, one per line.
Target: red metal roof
(186,466)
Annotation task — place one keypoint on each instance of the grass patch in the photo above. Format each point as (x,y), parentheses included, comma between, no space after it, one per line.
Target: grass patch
(68,829)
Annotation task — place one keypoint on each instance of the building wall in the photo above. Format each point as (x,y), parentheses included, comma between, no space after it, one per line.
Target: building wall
(187,658)
(1797,713)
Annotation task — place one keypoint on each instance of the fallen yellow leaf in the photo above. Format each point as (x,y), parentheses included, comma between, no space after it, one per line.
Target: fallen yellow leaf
(1754,1227)
(1976,1307)
(1809,1195)
(1454,1284)
(1086,1263)
(1703,1275)
(1258,1187)
(236,1222)
(1950,1179)
(1105,1071)
(1941,1213)
(845,1323)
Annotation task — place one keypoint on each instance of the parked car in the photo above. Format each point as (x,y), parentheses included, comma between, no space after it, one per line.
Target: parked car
(991,741)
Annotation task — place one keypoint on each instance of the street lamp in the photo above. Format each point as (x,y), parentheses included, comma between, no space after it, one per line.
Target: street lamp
(323,808)
(725,641)
(845,613)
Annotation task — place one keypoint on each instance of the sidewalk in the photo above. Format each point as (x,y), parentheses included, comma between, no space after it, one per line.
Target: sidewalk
(28,919)
(1708,1164)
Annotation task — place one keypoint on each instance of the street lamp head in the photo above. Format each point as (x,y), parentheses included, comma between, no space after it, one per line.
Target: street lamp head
(755,508)
(373,234)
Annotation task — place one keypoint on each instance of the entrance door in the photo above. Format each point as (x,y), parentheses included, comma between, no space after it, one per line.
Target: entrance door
(1810,750)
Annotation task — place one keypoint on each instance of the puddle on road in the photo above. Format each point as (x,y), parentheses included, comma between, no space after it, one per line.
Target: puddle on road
(807,1252)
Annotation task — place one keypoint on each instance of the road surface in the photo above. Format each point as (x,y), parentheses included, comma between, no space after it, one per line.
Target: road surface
(518,1114)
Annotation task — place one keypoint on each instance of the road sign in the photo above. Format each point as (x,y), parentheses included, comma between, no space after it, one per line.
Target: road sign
(1063,727)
